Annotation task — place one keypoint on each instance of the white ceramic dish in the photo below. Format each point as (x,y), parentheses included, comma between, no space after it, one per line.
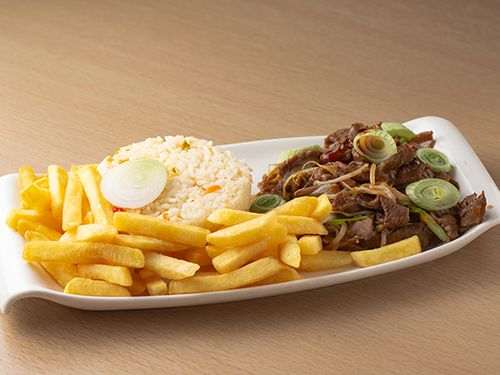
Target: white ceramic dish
(18,279)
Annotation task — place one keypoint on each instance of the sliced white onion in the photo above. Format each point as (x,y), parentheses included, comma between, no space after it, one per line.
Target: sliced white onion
(135,183)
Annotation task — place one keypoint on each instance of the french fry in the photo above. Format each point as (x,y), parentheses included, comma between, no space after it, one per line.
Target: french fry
(83,253)
(88,218)
(198,255)
(213,251)
(61,272)
(138,286)
(72,208)
(26,225)
(310,245)
(397,250)
(228,216)
(169,267)
(301,206)
(249,274)
(44,218)
(163,229)
(113,274)
(295,224)
(302,225)
(100,207)
(36,197)
(154,284)
(91,233)
(88,287)
(148,243)
(42,181)
(286,274)
(31,235)
(325,259)
(58,179)
(86,206)
(323,208)
(244,233)
(290,252)
(26,176)
(238,256)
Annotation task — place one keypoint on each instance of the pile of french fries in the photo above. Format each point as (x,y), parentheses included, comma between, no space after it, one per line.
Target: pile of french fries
(91,248)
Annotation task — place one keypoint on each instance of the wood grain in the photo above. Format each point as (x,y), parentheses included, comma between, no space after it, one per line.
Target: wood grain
(80,78)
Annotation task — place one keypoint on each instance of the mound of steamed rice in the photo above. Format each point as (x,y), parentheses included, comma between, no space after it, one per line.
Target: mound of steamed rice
(194,165)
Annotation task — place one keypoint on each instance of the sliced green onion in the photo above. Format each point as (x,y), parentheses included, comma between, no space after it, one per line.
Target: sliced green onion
(431,223)
(436,159)
(266,202)
(396,129)
(433,194)
(285,155)
(345,220)
(135,183)
(375,145)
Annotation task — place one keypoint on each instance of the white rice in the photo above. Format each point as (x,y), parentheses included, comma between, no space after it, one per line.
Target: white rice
(194,165)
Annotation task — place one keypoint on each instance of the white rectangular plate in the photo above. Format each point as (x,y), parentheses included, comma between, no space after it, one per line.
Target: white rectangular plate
(19,279)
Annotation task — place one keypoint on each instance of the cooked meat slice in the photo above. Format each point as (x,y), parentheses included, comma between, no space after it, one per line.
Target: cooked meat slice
(411,173)
(448,222)
(274,180)
(445,176)
(348,201)
(471,210)
(387,170)
(338,136)
(419,229)
(423,140)
(363,229)
(395,214)
(363,177)
(338,146)
(356,128)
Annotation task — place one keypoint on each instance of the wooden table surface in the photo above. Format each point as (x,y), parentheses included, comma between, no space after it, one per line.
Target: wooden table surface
(80,78)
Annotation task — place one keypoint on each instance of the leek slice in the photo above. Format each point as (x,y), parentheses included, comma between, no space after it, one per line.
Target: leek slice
(285,155)
(436,159)
(396,129)
(433,194)
(375,145)
(135,183)
(431,223)
(266,202)
(345,220)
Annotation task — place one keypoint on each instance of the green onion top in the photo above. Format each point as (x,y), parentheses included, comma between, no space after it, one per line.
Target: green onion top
(285,155)
(396,129)
(375,145)
(345,220)
(266,202)
(431,223)
(436,159)
(433,194)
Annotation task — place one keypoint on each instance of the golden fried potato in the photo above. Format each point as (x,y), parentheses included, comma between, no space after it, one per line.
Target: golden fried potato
(302,225)
(301,206)
(384,254)
(83,253)
(249,274)
(88,287)
(286,274)
(198,255)
(91,233)
(244,233)
(310,245)
(138,287)
(44,218)
(148,243)
(61,272)
(324,260)
(228,216)
(26,225)
(290,252)
(31,235)
(154,284)
(26,176)
(213,251)
(72,207)
(100,207)
(163,229)
(323,209)
(113,274)
(36,197)
(58,179)
(169,267)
